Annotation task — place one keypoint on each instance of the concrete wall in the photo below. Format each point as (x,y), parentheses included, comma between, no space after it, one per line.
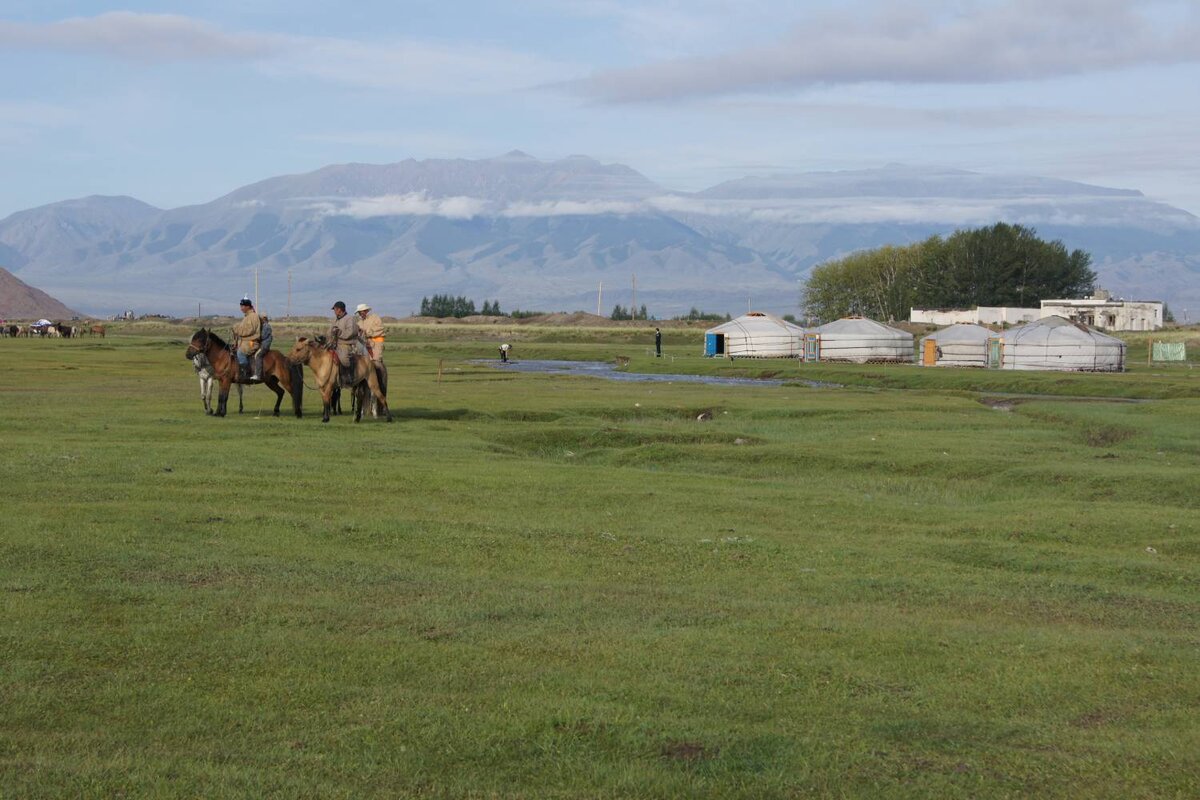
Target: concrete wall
(984,315)
(1107,314)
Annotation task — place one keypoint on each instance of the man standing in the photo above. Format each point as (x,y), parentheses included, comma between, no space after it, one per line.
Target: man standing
(657,343)
(247,335)
(343,334)
(371,333)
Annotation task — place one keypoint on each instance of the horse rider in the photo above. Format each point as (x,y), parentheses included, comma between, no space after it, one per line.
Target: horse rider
(267,337)
(247,335)
(370,333)
(343,335)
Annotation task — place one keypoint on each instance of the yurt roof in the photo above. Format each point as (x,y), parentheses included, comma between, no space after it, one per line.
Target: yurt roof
(962,333)
(1060,330)
(757,321)
(861,326)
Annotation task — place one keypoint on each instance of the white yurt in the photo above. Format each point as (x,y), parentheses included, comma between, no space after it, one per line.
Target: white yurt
(961,345)
(754,335)
(860,340)
(1058,343)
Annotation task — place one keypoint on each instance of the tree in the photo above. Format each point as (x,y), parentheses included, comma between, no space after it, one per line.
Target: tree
(1001,265)
(620,312)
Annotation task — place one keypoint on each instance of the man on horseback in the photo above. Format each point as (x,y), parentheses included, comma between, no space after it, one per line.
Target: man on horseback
(267,337)
(370,331)
(247,335)
(343,335)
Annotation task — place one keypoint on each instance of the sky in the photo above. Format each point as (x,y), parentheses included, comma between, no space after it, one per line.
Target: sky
(180,103)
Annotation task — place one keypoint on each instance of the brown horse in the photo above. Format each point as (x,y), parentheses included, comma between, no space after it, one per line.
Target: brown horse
(279,373)
(325,370)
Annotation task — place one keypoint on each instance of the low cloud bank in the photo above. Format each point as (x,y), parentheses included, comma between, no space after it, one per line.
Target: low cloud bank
(1099,210)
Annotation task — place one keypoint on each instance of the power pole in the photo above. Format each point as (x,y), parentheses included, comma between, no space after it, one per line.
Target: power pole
(288,315)
(633,309)
(599,297)
(256,287)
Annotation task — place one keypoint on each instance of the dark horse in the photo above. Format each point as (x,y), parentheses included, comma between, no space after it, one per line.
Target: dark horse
(279,372)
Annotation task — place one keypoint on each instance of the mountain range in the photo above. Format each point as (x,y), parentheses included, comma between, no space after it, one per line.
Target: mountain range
(545,235)
(19,300)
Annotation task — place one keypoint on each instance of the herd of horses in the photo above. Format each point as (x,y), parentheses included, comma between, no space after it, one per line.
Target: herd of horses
(216,364)
(54,330)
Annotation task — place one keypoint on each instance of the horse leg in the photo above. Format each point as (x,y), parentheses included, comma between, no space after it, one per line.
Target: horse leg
(206,387)
(273,384)
(377,391)
(240,389)
(360,393)
(327,397)
(223,397)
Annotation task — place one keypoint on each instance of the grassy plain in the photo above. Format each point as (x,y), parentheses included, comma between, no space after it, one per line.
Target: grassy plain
(541,586)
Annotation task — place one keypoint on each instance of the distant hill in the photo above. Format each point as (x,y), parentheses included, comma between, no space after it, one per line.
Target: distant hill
(545,235)
(19,300)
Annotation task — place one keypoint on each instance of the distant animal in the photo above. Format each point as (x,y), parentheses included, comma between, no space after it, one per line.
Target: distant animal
(98,330)
(208,379)
(325,370)
(279,372)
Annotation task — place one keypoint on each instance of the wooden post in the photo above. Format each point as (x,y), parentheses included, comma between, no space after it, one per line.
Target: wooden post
(439,370)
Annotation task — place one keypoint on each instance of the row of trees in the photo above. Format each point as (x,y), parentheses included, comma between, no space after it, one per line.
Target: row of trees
(1001,265)
(443,305)
(621,312)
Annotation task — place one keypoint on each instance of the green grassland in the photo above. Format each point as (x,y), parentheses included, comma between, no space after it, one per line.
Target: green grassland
(545,586)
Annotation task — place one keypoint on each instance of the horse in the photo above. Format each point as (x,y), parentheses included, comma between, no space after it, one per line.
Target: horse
(97,330)
(208,379)
(325,370)
(279,372)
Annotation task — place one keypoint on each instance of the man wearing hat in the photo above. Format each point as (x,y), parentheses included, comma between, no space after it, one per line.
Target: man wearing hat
(247,335)
(343,334)
(370,331)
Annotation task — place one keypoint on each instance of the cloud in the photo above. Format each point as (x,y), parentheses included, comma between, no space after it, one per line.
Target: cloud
(412,65)
(408,64)
(417,204)
(573,208)
(973,42)
(137,37)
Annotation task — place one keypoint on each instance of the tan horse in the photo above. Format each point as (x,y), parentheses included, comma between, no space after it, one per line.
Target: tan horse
(325,370)
(278,372)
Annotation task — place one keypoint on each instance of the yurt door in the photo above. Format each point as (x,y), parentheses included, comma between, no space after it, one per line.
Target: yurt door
(714,344)
(812,347)
(929,357)
(995,353)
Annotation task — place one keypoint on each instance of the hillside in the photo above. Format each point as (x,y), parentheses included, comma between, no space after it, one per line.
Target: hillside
(19,300)
(549,234)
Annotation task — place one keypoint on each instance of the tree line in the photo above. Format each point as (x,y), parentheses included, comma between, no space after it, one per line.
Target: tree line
(443,305)
(1000,265)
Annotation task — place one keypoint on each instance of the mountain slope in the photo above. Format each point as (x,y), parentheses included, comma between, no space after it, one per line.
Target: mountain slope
(546,234)
(19,300)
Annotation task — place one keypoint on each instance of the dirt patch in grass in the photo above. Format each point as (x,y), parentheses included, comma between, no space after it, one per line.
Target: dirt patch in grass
(1106,435)
(688,752)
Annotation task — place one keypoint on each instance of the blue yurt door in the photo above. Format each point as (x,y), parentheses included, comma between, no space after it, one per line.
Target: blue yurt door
(714,344)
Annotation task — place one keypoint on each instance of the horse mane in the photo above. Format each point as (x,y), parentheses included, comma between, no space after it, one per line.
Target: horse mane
(217,340)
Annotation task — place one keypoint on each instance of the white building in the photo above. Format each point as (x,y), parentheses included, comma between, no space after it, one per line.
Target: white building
(859,340)
(982,315)
(1103,312)
(956,346)
(1056,343)
(754,335)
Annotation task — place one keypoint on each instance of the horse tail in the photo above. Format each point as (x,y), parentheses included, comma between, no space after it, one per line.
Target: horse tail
(297,376)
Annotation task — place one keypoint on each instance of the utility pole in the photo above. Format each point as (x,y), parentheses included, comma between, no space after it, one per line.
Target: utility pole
(633,309)
(288,315)
(599,298)
(256,287)
(197,311)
